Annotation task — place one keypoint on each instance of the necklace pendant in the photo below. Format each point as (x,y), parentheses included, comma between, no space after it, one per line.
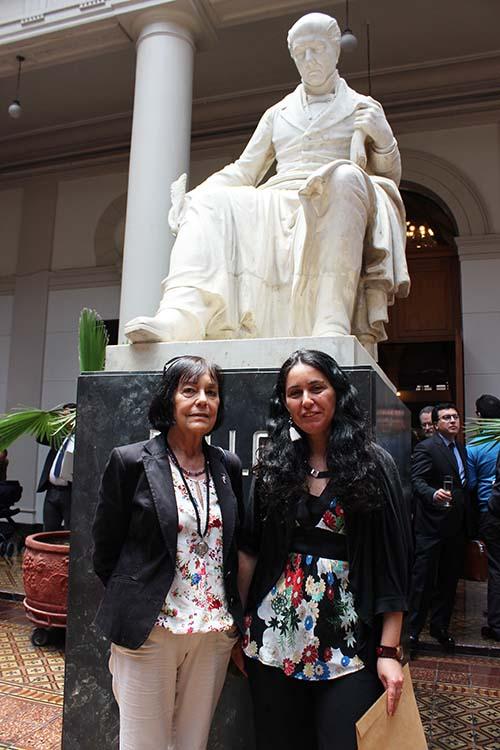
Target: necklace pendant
(314,472)
(201,548)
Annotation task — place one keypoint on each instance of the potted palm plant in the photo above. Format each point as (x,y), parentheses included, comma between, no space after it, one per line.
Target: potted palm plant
(482,430)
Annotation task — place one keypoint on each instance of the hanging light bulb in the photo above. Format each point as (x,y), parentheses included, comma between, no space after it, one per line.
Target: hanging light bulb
(348,40)
(15,110)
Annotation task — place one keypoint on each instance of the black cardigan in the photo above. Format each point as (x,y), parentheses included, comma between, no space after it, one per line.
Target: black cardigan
(379,552)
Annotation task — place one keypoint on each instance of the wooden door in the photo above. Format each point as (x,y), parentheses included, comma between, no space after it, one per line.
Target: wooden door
(426,329)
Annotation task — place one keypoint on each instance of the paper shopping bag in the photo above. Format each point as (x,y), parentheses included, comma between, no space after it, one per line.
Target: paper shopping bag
(403,731)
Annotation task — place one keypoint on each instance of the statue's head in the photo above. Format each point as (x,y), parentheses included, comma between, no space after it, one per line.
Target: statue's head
(314,44)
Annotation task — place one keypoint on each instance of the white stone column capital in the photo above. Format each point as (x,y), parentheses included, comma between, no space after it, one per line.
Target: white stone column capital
(167,21)
(165,28)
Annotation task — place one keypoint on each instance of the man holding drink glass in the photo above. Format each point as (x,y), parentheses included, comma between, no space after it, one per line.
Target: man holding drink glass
(439,481)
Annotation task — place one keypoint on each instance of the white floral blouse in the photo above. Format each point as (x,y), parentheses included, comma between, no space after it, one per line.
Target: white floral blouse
(196,601)
(306,625)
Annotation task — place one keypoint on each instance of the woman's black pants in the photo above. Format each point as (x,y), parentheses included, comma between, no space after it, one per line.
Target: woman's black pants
(292,714)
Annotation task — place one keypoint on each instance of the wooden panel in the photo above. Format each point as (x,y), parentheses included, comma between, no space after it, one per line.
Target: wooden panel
(429,313)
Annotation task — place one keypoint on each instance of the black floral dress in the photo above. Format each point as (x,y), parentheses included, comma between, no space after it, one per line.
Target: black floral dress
(307,624)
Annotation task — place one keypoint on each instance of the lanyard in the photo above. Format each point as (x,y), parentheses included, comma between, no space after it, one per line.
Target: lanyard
(202,547)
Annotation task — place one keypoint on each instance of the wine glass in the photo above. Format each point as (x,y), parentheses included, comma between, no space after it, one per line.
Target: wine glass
(448,486)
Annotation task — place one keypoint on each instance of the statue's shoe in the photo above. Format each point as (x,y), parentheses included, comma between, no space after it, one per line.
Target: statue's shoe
(167,325)
(145,330)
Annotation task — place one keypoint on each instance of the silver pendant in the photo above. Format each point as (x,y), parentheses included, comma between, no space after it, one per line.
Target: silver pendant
(201,549)
(314,472)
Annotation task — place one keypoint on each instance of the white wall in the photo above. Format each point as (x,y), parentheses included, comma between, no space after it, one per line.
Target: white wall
(11,204)
(5,331)
(61,367)
(474,151)
(81,203)
(481,329)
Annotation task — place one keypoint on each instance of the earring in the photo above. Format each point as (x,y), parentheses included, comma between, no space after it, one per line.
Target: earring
(293,432)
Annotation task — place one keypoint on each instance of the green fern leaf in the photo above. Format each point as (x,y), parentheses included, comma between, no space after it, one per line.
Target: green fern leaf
(47,426)
(481,430)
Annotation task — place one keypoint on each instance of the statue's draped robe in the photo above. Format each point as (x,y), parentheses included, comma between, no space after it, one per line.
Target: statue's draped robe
(255,252)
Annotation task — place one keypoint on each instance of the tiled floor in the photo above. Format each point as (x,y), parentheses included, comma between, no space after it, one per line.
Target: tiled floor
(459,701)
(11,575)
(31,685)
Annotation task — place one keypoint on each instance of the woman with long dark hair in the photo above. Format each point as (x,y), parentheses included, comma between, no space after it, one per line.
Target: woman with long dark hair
(165,548)
(327,550)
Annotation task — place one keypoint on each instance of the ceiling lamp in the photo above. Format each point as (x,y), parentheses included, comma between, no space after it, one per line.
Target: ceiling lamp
(15,110)
(348,41)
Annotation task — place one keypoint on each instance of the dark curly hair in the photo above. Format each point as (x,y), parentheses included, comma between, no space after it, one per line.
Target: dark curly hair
(179,370)
(281,468)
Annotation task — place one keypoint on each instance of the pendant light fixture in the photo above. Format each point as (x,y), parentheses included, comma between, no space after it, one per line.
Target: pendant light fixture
(15,110)
(348,40)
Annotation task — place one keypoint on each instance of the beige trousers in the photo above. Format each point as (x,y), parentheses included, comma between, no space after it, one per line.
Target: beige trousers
(167,689)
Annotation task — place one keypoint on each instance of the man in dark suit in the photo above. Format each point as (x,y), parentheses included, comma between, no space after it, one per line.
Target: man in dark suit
(440,525)
(57,502)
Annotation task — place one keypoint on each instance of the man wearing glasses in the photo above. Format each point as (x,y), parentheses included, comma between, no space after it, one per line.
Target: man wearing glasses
(439,481)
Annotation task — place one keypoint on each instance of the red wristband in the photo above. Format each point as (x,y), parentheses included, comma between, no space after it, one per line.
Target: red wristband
(389,652)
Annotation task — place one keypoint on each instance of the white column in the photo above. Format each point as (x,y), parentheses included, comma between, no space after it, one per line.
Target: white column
(480,270)
(159,153)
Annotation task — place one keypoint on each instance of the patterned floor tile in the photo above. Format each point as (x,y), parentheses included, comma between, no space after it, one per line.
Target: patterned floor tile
(25,665)
(11,575)
(31,686)
(47,737)
(454,678)
(459,716)
(20,719)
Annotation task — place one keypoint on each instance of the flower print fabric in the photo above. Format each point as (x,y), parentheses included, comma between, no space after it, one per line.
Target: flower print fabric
(196,601)
(306,625)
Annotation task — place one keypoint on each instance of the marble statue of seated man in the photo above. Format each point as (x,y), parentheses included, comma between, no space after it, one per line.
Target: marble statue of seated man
(316,250)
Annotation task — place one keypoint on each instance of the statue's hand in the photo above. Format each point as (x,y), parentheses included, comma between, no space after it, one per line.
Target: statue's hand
(313,186)
(178,195)
(370,118)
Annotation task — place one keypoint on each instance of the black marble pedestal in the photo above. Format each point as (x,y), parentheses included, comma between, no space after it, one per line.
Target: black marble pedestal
(112,410)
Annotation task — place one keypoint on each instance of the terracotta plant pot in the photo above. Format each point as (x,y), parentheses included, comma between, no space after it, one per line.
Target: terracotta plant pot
(45,577)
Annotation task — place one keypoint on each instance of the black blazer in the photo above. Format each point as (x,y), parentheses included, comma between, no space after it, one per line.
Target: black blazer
(430,462)
(44,482)
(135,536)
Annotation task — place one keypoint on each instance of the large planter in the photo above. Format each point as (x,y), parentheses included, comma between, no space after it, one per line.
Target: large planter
(45,577)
